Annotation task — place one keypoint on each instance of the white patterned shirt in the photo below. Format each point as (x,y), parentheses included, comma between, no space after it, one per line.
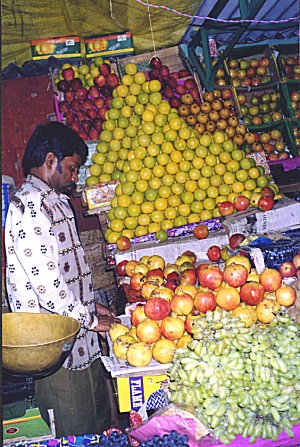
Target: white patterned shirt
(46,267)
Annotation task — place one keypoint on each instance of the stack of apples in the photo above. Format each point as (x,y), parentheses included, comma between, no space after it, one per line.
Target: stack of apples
(270,142)
(175,294)
(216,112)
(291,67)
(250,72)
(260,108)
(86,93)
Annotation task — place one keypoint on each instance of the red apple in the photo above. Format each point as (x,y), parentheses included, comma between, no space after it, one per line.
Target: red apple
(157,308)
(76,105)
(214,253)
(241,203)
(182,304)
(69,96)
(85,125)
(153,73)
(106,90)
(100,80)
(287,269)
(271,279)
(76,84)
(102,112)
(68,74)
(252,293)
(105,69)
(63,86)
(235,274)
(183,73)
(235,240)
(285,295)
(112,79)
(168,92)
(63,107)
(210,276)
(205,300)
(226,208)
(173,276)
(179,89)
(83,135)
(94,92)
(87,104)
(92,113)
(70,117)
(266,203)
(93,134)
(97,123)
(81,115)
(121,267)
(201,231)
(155,62)
(99,102)
(123,243)
(164,71)
(82,94)
(75,126)
(175,102)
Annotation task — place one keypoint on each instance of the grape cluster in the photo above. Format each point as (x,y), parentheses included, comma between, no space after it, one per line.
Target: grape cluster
(241,380)
(115,439)
(172,439)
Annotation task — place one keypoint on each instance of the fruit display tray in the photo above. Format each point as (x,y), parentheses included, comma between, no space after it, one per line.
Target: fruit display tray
(285,51)
(250,52)
(285,128)
(121,368)
(172,57)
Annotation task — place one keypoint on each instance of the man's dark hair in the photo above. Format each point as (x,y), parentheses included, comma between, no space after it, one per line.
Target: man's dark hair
(52,137)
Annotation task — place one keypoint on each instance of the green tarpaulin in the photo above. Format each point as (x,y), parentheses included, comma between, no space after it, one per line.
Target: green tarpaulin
(25,20)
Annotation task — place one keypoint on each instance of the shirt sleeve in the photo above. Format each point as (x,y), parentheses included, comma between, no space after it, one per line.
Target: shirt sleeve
(36,259)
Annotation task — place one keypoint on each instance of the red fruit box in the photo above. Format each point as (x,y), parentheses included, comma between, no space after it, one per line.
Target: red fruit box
(60,47)
(109,45)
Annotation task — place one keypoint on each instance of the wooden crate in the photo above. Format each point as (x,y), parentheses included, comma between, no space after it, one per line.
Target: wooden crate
(173,57)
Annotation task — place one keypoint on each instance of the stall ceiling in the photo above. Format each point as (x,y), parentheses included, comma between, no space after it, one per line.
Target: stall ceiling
(260,27)
(155,24)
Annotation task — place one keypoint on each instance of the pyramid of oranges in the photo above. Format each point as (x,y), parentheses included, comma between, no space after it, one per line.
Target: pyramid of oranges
(169,174)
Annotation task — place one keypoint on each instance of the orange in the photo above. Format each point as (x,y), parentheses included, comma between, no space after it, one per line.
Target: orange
(174,201)
(154,86)
(184,210)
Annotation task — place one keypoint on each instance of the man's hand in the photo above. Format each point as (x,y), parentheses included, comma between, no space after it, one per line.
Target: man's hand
(105,319)
(103,310)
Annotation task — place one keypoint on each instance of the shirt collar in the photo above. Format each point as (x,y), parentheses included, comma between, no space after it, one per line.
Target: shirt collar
(44,187)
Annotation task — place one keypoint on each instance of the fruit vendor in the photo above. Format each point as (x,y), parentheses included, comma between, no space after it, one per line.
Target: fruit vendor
(47,271)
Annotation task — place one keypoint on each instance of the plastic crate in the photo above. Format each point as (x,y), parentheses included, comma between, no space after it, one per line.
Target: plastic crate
(250,52)
(286,135)
(172,57)
(281,54)
(287,88)
(259,92)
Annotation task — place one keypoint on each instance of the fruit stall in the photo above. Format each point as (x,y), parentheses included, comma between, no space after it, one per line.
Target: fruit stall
(192,193)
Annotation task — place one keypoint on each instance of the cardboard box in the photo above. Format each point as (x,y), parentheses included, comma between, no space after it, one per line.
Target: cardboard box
(60,47)
(284,216)
(109,45)
(133,392)
(170,249)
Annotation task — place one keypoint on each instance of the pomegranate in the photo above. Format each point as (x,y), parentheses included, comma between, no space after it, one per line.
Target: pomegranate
(163,351)
(139,354)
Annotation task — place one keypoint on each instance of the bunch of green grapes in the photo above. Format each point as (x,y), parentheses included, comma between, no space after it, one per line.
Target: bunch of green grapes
(241,380)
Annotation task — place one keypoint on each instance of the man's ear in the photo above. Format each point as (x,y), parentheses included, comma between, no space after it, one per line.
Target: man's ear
(50,160)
